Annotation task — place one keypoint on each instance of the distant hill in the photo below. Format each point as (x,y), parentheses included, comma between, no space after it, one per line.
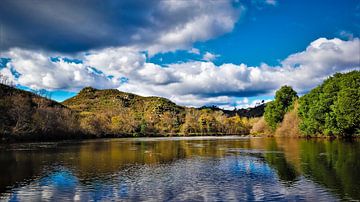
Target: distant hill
(251,112)
(92,100)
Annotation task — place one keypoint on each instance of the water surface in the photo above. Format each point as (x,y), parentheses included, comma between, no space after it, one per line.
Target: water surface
(181,169)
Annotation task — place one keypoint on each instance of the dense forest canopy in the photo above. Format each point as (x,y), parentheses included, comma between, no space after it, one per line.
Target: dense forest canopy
(333,108)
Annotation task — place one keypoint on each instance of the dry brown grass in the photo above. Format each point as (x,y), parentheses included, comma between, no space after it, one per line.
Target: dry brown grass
(260,127)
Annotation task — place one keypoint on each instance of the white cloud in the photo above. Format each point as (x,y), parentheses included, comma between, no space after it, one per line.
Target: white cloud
(197,101)
(322,58)
(156,26)
(194,51)
(7,75)
(38,71)
(242,105)
(303,71)
(194,83)
(210,56)
(118,62)
(208,20)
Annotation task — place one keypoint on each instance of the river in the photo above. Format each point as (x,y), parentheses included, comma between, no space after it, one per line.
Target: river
(181,169)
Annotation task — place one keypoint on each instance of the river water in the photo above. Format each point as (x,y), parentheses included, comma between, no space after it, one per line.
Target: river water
(181,169)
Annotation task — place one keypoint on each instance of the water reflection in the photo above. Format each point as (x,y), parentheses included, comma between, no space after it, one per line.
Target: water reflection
(181,169)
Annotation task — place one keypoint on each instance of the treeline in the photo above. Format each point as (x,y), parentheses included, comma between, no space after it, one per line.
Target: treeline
(190,122)
(107,113)
(115,113)
(331,109)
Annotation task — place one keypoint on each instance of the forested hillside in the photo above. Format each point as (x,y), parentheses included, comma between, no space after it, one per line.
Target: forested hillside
(25,116)
(112,112)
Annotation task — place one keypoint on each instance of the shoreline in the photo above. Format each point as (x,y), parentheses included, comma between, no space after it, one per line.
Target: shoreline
(173,137)
(84,137)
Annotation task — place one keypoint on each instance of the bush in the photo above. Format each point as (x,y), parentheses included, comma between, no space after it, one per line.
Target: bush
(260,127)
(290,124)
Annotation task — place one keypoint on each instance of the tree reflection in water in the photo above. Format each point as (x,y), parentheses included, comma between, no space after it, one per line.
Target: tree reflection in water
(181,169)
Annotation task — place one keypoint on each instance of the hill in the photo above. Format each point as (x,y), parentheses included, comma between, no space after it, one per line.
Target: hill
(25,115)
(251,112)
(116,113)
(91,100)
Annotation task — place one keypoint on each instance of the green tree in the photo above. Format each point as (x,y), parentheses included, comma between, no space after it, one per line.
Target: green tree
(275,110)
(273,114)
(285,96)
(333,108)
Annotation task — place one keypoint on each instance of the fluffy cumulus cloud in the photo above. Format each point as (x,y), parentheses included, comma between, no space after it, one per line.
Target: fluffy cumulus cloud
(193,83)
(201,80)
(39,71)
(208,19)
(74,26)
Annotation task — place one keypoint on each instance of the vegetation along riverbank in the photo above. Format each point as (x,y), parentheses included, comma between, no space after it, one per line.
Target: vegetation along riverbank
(331,109)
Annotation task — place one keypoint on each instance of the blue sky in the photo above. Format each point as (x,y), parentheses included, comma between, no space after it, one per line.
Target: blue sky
(226,53)
(269,33)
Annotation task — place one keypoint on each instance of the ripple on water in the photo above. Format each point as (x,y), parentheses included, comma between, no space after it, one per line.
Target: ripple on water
(199,178)
(157,169)
(252,151)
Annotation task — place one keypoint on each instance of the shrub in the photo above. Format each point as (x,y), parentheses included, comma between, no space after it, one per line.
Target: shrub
(260,127)
(290,124)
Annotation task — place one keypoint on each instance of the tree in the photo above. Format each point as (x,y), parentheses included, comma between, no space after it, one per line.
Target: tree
(333,107)
(273,114)
(275,110)
(191,124)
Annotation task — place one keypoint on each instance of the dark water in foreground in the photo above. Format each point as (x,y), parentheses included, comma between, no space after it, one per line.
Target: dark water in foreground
(181,169)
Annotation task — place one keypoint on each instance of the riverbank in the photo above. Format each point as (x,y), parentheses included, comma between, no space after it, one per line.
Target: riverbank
(89,137)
